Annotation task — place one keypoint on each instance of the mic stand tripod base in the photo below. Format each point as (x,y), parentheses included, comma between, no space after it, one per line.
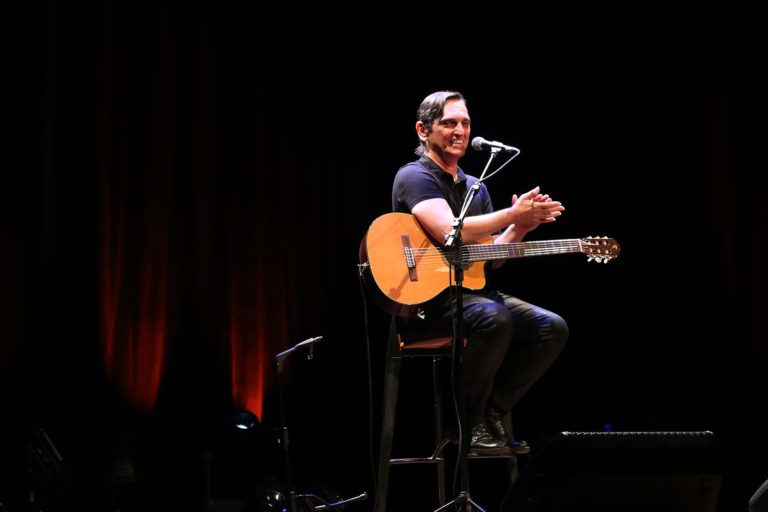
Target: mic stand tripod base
(465,501)
(324,505)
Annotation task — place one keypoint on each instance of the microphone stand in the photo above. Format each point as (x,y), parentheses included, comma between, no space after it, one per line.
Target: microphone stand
(283,437)
(454,240)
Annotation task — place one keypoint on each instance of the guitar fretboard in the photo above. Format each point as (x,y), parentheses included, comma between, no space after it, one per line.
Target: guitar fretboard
(485,252)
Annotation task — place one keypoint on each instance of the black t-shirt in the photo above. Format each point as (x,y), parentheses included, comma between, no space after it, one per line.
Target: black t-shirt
(422,179)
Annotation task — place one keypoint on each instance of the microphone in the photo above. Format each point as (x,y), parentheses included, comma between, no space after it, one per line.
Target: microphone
(480,144)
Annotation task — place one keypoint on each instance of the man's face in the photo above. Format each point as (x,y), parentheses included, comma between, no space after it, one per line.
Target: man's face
(450,134)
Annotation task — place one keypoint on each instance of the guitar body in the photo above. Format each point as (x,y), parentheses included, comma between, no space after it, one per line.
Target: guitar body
(403,267)
(397,288)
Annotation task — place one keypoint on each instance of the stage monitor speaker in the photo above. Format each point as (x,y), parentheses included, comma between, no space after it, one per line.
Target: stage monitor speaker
(759,501)
(627,471)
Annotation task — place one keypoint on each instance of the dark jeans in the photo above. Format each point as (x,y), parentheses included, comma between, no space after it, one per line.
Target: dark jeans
(510,344)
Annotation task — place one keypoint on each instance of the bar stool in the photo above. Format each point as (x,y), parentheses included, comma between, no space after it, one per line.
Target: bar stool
(435,349)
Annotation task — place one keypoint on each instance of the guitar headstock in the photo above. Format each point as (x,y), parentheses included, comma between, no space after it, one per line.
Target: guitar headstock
(600,249)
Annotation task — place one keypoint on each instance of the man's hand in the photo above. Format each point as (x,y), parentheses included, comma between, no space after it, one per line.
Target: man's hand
(534,208)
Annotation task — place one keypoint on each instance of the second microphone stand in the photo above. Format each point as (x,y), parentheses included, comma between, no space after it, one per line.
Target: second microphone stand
(284,441)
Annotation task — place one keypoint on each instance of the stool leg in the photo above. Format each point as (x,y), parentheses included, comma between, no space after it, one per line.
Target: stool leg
(391,384)
(512,465)
(437,392)
(513,468)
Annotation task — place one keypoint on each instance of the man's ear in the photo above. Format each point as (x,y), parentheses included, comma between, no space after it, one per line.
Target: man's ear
(421,131)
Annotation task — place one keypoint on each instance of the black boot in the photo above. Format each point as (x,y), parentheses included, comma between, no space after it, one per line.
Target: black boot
(498,424)
(483,441)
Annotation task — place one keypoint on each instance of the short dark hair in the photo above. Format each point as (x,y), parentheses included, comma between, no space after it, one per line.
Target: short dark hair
(431,110)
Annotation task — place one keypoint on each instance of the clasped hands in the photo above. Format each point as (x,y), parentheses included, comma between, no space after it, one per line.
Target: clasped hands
(534,208)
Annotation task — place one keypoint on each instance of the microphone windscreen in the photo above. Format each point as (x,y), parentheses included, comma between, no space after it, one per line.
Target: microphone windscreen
(477,143)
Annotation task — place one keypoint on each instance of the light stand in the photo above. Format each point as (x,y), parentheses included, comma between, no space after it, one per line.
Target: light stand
(454,240)
(284,441)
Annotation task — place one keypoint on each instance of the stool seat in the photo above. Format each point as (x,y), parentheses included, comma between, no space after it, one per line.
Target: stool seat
(441,344)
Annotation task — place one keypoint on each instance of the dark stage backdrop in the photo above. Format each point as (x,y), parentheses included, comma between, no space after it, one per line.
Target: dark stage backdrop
(192,181)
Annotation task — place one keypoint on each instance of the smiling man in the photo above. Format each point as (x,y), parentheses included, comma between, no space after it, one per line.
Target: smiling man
(510,343)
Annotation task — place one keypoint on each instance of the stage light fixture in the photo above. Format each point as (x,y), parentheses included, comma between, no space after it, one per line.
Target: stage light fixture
(244,420)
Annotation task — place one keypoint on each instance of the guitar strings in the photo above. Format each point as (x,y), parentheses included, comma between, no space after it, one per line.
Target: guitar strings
(491,250)
(479,252)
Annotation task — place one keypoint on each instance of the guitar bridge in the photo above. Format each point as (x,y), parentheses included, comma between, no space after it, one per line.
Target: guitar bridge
(410,259)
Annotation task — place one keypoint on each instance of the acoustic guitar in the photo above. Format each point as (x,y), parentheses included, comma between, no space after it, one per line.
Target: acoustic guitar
(402,267)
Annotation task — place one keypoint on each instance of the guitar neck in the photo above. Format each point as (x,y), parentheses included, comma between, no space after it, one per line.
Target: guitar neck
(487,252)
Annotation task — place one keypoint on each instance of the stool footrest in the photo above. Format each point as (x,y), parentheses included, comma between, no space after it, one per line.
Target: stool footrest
(418,460)
(435,458)
(505,455)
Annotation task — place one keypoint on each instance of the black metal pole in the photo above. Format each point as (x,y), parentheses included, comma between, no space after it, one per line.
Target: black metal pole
(283,440)
(454,240)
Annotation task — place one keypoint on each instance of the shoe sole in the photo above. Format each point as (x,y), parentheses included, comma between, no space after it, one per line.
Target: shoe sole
(475,452)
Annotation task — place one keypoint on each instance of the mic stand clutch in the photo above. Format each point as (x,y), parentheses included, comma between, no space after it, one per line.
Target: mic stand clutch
(453,239)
